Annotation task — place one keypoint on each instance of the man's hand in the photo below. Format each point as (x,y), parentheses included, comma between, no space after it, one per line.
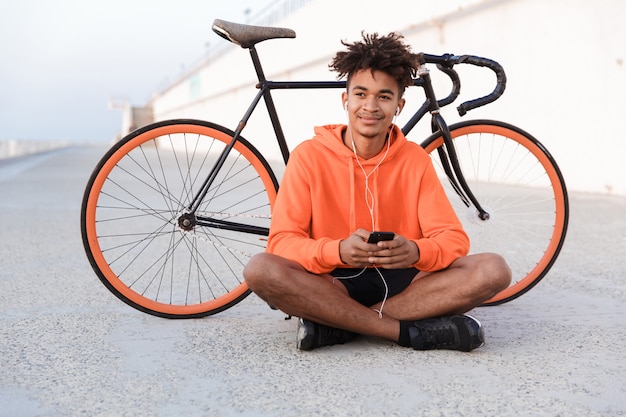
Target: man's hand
(391,254)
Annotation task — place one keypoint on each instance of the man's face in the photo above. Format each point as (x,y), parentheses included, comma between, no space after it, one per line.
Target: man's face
(372,101)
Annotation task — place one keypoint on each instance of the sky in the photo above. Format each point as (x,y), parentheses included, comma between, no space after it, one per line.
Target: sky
(63,61)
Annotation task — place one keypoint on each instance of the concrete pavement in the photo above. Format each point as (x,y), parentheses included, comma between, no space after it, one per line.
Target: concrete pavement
(69,347)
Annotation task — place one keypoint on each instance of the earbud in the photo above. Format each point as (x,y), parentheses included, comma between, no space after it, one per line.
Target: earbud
(345,106)
(397,111)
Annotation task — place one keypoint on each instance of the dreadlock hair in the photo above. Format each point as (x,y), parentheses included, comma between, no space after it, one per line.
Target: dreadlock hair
(378,53)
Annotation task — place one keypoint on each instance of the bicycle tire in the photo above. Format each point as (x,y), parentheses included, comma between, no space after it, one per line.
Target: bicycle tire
(520,185)
(131,207)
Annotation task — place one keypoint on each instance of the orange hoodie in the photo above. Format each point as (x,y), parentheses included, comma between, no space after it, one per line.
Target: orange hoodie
(322,201)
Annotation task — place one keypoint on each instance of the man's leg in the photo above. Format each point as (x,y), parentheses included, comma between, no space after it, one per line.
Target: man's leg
(467,283)
(289,287)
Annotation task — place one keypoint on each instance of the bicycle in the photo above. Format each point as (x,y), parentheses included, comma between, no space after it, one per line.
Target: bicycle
(173,211)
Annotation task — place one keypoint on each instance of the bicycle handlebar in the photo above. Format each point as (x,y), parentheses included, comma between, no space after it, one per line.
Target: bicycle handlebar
(446,62)
(456,85)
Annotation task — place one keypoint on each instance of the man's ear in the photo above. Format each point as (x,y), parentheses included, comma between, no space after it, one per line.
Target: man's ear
(401,104)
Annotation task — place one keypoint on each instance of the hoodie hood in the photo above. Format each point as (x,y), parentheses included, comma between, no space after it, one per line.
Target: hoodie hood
(331,136)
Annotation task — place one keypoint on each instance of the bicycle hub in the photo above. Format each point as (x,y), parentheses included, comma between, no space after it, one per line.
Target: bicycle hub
(187,221)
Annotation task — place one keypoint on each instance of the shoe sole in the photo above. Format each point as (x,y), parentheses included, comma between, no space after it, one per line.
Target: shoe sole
(301,342)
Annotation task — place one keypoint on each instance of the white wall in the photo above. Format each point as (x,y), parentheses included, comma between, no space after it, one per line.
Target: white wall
(564,61)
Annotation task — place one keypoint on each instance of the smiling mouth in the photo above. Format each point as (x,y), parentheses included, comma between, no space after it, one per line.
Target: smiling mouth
(370,118)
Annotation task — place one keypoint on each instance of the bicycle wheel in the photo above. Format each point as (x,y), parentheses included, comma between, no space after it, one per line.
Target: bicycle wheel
(516,180)
(131,218)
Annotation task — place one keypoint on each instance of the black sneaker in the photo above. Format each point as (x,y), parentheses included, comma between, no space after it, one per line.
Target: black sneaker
(460,332)
(312,335)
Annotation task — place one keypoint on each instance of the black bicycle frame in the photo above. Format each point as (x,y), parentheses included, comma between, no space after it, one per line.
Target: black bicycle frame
(265,88)
(447,153)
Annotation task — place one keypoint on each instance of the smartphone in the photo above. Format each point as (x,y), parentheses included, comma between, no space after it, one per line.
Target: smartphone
(380,236)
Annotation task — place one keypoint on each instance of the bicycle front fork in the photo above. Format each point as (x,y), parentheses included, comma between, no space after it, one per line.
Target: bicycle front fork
(452,168)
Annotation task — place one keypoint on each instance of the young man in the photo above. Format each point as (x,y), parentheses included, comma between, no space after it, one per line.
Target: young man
(349,181)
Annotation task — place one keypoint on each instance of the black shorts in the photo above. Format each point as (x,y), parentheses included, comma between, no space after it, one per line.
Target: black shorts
(367,287)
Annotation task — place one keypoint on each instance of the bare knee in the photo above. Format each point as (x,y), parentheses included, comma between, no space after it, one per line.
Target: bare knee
(270,276)
(259,270)
(493,271)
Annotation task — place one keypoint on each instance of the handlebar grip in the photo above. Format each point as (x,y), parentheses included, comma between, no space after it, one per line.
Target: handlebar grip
(495,94)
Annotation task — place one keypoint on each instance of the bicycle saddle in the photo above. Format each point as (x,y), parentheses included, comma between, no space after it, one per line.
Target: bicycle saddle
(247,36)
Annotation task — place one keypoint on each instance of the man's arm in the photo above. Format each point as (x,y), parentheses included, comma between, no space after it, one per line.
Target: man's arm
(443,238)
(291,223)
